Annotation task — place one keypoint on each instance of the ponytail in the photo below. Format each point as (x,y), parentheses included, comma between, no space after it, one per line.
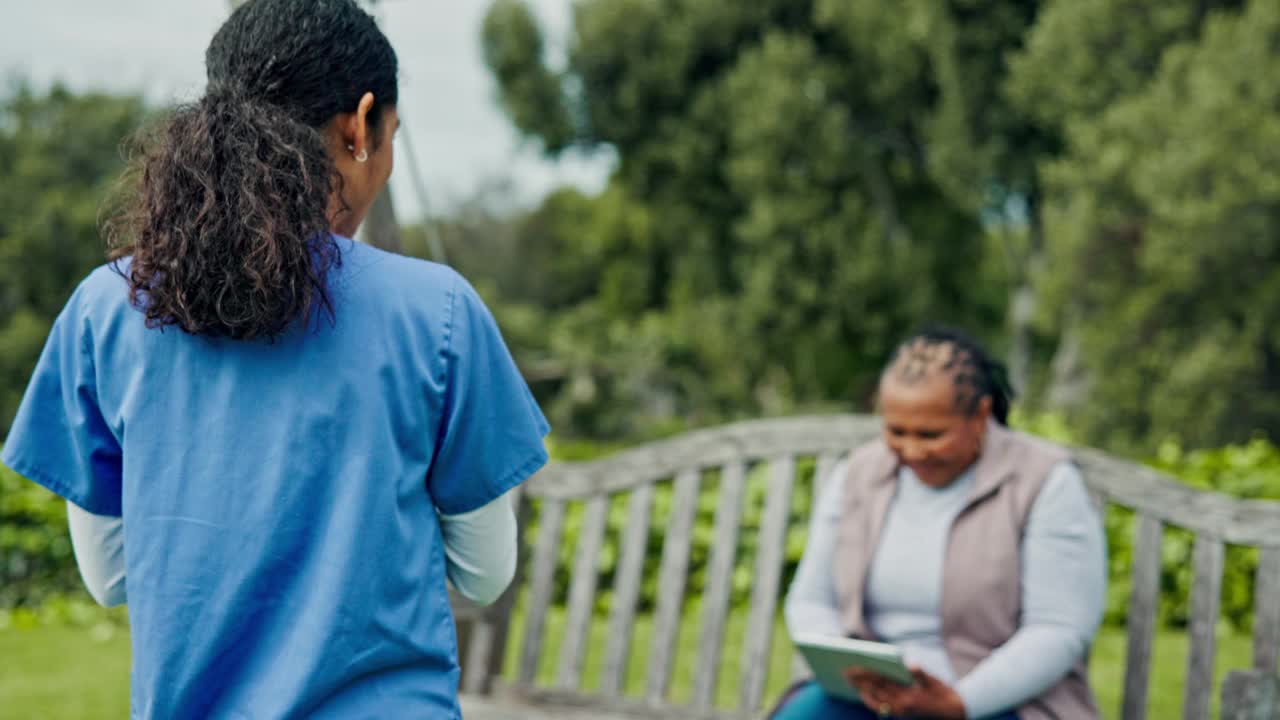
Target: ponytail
(228,230)
(224,227)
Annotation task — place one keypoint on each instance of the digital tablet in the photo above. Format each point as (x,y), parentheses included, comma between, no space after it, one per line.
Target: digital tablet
(830,656)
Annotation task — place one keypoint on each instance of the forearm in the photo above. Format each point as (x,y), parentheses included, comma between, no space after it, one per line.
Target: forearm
(480,550)
(1031,662)
(812,617)
(98,543)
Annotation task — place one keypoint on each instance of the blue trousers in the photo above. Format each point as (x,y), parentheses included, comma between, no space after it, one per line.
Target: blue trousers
(809,702)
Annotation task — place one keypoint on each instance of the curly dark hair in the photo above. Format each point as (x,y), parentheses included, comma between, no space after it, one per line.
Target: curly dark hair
(225,221)
(976,373)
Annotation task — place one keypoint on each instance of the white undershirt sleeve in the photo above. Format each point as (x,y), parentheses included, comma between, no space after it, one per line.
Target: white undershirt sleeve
(98,542)
(480,550)
(479,546)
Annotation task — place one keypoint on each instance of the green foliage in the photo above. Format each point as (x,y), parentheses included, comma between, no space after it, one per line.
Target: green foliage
(36,561)
(1248,471)
(510,37)
(798,183)
(1162,219)
(67,610)
(58,158)
(1081,56)
(773,226)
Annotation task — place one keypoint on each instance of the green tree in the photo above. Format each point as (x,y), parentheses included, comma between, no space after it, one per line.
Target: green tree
(781,223)
(58,157)
(1076,60)
(1164,225)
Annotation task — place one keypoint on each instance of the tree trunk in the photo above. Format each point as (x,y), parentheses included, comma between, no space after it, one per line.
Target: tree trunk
(1025,298)
(1069,381)
(1022,310)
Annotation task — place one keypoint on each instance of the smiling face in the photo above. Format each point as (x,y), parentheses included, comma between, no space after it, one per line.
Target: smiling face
(926,424)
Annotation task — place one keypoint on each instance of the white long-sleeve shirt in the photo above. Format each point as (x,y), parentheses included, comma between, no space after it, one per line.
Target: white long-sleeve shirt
(1063,584)
(98,541)
(479,547)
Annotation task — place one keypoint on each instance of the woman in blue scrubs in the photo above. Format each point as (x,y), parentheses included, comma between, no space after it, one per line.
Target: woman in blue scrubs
(276,443)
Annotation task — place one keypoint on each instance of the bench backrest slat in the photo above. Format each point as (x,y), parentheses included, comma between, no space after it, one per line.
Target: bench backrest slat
(1266,611)
(719,586)
(1231,520)
(1098,498)
(622,612)
(768,574)
(671,582)
(1206,597)
(550,523)
(1143,604)
(582,594)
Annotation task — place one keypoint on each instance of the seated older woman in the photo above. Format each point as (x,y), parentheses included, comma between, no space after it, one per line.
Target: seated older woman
(973,548)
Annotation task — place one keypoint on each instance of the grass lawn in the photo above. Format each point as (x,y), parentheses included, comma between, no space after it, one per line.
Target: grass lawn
(63,672)
(1106,669)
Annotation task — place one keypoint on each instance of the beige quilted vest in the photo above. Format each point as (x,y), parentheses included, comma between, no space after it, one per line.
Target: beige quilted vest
(981,594)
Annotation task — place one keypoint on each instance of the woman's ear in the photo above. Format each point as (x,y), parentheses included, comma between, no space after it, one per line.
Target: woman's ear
(363,131)
(353,128)
(983,411)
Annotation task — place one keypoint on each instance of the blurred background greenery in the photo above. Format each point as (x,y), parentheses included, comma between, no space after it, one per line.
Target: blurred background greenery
(1092,186)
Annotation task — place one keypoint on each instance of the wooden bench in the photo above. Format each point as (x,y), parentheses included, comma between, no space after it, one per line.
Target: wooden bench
(731,456)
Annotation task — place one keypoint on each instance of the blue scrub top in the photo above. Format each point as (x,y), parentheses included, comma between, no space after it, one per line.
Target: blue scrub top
(283,553)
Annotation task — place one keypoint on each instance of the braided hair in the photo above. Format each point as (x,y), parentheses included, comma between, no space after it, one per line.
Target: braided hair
(938,348)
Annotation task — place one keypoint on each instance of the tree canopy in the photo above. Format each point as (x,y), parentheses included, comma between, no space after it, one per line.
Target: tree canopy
(58,159)
(1082,182)
(1086,184)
